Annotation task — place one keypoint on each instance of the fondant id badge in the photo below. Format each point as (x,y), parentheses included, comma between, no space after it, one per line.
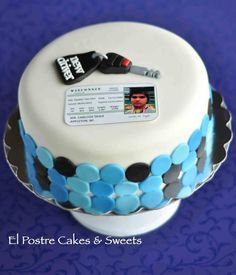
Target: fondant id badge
(101,104)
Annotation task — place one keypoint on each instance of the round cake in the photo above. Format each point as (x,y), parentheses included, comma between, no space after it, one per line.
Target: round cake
(116,142)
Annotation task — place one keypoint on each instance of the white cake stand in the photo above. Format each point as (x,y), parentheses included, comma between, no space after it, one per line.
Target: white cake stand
(130,225)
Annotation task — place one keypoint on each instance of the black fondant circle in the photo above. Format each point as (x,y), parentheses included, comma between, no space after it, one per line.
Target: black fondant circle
(64,166)
(137,172)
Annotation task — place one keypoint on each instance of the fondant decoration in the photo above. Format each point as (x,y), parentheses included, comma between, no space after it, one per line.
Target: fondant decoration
(151,199)
(190,161)
(171,190)
(184,192)
(76,67)
(114,189)
(44,156)
(137,172)
(204,125)
(189,176)
(21,128)
(102,203)
(194,140)
(59,192)
(77,185)
(79,200)
(180,153)
(47,194)
(29,158)
(36,186)
(87,172)
(172,174)
(112,173)
(160,165)
(64,166)
(127,204)
(29,144)
(56,177)
(126,188)
(115,64)
(152,183)
(101,188)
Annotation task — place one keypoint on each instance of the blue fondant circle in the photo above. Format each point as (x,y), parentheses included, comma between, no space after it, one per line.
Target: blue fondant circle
(152,183)
(59,192)
(180,153)
(77,185)
(87,172)
(190,176)
(79,200)
(195,140)
(190,161)
(126,188)
(160,165)
(127,204)
(204,125)
(45,157)
(56,177)
(112,173)
(102,203)
(101,188)
(152,199)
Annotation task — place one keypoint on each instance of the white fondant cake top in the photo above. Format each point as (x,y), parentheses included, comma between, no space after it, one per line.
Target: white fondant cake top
(182,95)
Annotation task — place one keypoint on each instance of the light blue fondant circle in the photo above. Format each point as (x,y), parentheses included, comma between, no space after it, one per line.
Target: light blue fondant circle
(127,204)
(180,153)
(184,192)
(126,188)
(160,165)
(45,157)
(56,177)
(79,199)
(190,161)
(30,145)
(59,192)
(152,183)
(204,125)
(112,173)
(195,140)
(152,199)
(189,176)
(87,172)
(101,188)
(77,185)
(102,203)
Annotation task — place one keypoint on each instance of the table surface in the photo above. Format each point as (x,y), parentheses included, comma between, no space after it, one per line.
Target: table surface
(201,237)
